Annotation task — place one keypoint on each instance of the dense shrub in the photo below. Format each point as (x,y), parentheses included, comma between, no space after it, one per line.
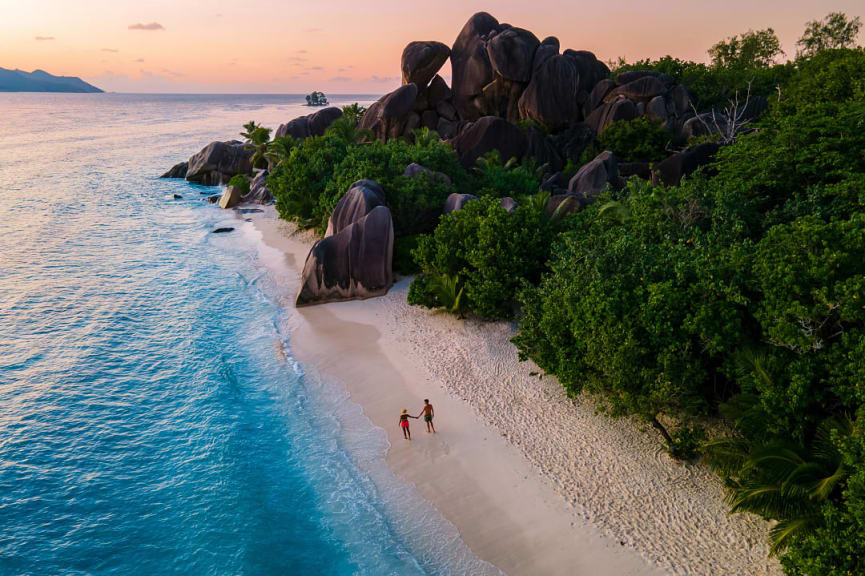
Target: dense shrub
(299,181)
(241,182)
(488,251)
(639,140)
(491,177)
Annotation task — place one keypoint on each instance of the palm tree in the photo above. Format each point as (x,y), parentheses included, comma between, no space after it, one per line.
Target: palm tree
(347,131)
(257,137)
(279,149)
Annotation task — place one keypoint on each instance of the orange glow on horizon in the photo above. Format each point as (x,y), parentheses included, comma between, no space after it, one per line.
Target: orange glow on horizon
(340,46)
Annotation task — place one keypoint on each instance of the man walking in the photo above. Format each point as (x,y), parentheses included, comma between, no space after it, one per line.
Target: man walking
(428,414)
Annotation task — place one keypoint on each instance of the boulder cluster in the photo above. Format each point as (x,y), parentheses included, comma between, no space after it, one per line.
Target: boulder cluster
(511,93)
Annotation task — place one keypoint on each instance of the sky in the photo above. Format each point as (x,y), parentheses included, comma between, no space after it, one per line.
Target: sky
(341,46)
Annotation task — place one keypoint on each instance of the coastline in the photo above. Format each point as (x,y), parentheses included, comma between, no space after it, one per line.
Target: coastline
(535,483)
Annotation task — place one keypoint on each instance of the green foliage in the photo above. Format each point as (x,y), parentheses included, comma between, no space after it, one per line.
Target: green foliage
(686,442)
(492,178)
(714,86)
(830,76)
(488,251)
(279,150)
(833,31)
(241,182)
(257,137)
(299,181)
(415,203)
(316,99)
(353,112)
(749,50)
(639,140)
(742,295)
(403,261)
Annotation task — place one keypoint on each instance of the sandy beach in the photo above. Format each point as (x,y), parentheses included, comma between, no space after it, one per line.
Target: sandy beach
(535,482)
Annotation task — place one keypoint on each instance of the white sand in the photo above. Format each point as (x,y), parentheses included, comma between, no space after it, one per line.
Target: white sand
(535,483)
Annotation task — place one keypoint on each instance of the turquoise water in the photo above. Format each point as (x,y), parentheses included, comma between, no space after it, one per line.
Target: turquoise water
(151,418)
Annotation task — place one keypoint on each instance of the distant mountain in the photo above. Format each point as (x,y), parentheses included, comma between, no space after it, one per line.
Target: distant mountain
(41,81)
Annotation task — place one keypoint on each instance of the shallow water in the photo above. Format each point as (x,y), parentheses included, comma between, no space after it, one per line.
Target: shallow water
(151,418)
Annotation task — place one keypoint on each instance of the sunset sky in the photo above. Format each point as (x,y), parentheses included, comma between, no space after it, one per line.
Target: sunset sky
(337,46)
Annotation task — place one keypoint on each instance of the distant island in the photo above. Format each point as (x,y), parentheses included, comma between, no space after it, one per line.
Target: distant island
(316,99)
(41,81)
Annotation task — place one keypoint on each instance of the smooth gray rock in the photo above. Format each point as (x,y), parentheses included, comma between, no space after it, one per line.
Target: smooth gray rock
(355,263)
(509,204)
(592,178)
(438,91)
(357,202)
(511,53)
(640,90)
(391,116)
(177,171)
(620,109)
(230,198)
(456,202)
(671,170)
(310,125)
(487,134)
(563,204)
(421,61)
(259,193)
(550,99)
(470,64)
(217,162)
(414,170)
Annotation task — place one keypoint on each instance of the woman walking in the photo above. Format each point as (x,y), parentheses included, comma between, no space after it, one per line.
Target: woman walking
(403,423)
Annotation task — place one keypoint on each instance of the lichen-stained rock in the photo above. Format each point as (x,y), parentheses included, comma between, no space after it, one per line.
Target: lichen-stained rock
(391,115)
(488,134)
(511,53)
(358,201)
(177,171)
(550,99)
(596,96)
(592,178)
(421,61)
(217,162)
(470,64)
(457,201)
(258,190)
(310,125)
(355,263)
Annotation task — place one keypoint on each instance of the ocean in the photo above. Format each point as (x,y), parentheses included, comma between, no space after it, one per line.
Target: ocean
(152,419)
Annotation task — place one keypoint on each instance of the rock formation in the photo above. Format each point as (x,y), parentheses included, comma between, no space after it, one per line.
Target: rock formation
(258,190)
(354,259)
(217,162)
(310,125)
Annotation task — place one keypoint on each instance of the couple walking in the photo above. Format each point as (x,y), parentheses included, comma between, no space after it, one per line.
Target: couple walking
(428,413)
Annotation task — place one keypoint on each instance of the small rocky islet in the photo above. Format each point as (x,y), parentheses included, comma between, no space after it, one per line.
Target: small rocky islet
(511,93)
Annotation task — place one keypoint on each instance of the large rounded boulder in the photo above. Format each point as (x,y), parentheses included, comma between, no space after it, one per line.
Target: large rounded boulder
(470,65)
(217,162)
(511,53)
(358,201)
(422,60)
(392,115)
(550,99)
(488,134)
(355,263)
(310,125)
(593,177)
